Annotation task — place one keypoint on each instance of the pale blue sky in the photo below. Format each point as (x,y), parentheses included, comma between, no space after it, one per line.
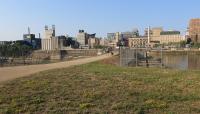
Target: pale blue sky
(94,16)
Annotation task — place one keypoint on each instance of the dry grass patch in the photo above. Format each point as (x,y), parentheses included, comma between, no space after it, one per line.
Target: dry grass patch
(103,88)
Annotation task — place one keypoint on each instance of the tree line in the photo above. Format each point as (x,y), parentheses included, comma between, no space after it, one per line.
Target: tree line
(14,50)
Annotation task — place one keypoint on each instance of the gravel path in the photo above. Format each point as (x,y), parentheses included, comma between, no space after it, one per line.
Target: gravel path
(10,73)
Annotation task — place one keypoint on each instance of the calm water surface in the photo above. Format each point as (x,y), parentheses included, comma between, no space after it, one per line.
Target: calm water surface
(182,61)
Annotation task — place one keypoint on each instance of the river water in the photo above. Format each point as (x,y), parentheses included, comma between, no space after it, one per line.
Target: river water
(183,61)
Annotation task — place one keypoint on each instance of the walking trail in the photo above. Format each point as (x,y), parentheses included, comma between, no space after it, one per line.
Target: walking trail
(10,73)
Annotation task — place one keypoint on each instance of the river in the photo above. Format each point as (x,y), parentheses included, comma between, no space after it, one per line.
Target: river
(183,61)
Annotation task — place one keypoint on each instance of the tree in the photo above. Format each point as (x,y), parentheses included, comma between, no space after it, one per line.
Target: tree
(196,45)
(189,41)
(182,44)
(14,51)
(4,54)
(25,51)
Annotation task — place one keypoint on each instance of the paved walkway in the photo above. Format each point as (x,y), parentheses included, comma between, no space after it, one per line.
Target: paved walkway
(10,73)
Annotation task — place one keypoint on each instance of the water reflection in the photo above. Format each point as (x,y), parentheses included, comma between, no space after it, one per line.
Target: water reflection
(183,61)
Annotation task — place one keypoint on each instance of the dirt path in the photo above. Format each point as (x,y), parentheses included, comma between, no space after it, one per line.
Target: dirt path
(9,73)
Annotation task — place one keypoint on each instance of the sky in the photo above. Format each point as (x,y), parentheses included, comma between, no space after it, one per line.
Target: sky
(94,16)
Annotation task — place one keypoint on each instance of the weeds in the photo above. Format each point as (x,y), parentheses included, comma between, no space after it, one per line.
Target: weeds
(102,88)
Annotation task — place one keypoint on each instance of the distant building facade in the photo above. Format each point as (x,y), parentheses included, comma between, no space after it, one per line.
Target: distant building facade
(194,30)
(121,38)
(92,42)
(6,42)
(167,37)
(32,40)
(2,42)
(35,42)
(126,35)
(156,36)
(62,42)
(138,41)
(113,39)
(82,38)
(110,35)
(86,40)
(153,32)
(159,36)
(50,41)
(102,41)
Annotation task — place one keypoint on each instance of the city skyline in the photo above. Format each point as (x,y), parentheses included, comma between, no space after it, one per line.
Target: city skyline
(99,17)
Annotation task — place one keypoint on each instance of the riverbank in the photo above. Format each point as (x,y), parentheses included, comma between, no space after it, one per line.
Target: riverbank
(102,87)
(9,73)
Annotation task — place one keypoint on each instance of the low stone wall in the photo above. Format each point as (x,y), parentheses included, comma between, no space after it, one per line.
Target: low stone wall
(46,55)
(64,54)
(79,52)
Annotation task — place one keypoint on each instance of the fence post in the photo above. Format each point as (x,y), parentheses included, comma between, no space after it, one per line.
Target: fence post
(147,62)
(136,58)
(161,60)
(120,55)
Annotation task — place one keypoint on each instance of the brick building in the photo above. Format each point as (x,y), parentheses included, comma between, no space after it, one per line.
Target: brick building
(194,30)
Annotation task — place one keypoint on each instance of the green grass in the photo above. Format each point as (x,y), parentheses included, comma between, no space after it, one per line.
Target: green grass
(101,88)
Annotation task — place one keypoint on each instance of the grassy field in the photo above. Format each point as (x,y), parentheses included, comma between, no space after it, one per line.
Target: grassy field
(103,88)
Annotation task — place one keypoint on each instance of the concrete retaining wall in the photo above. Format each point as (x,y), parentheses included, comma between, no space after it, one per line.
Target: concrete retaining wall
(64,54)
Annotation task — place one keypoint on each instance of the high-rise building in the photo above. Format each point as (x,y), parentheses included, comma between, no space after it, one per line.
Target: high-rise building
(194,30)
